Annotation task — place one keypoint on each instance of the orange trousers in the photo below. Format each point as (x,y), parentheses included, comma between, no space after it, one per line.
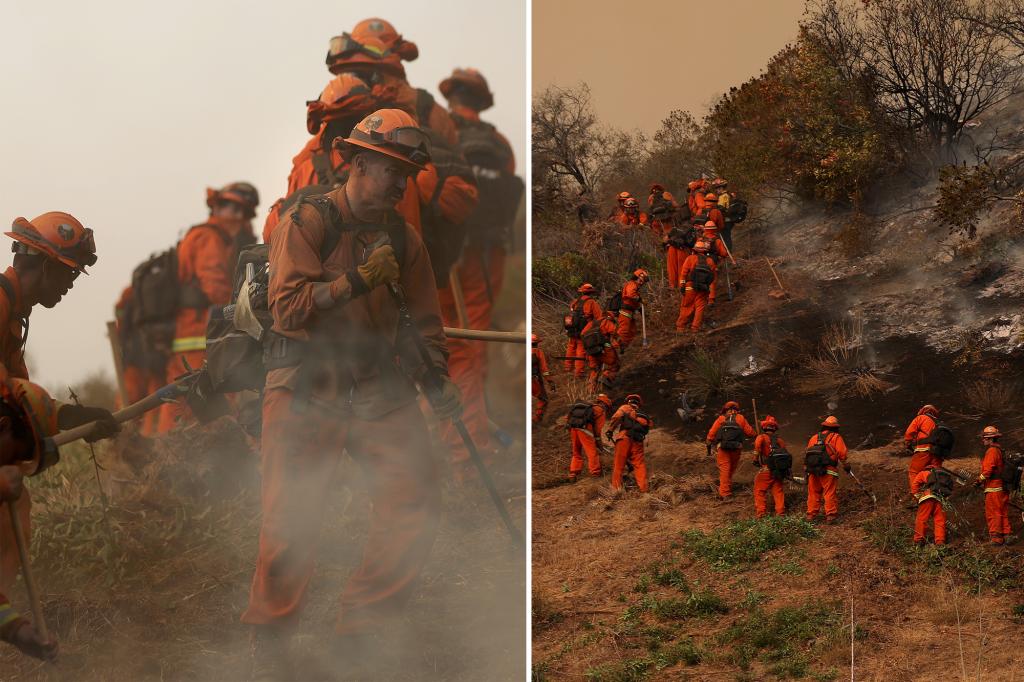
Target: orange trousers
(763,483)
(584,443)
(917,464)
(574,348)
(606,365)
(173,413)
(823,488)
(300,452)
(674,264)
(627,326)
(728,460)
(540,392)
(466,359)
(692,304)
(627,449)
(930,509)
(997,515)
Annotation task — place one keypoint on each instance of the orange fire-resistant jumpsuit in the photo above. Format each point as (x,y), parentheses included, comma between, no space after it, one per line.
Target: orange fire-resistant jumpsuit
(139,381)
(540,373)
(695,199)
(630,311)
(205,256)
(825,488)
(607,364)
(574,346)
(728,460)
(919,430)
(929,506)
(587,441)
(996,498)
(764,481)
(360,401)
(631,219)
(14,314)
(675,255)
(713,214)
(627,449)
(659,227)
(693,302)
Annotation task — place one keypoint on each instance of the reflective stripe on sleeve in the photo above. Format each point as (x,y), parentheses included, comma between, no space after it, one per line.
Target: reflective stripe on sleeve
(188,343)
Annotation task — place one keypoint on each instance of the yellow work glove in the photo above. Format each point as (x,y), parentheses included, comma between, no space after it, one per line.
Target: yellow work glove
(380,268)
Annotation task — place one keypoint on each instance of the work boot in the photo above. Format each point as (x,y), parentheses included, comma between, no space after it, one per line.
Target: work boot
(269,654)
(573,478)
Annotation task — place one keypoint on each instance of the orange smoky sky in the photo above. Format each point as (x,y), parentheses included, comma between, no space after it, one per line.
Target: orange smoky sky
(645,58)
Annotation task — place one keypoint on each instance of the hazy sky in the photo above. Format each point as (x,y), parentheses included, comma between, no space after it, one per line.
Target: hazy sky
(644,58)
(123,112)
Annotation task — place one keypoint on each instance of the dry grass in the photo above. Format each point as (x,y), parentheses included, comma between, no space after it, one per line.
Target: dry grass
(841,365)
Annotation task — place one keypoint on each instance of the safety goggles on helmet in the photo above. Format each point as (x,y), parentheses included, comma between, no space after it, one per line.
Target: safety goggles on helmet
(83,253)
(345,44)
(410,141)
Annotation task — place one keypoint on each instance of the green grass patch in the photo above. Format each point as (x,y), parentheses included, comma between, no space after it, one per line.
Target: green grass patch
(971,559)
(742,543)
(786,641)
(683,651)
(543,614)
(698,604)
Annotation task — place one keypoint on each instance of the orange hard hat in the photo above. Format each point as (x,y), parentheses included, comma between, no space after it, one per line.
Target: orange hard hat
(719,182)
(345,96)
(640,273)
(56,235)
(237,192)
(636,399)
(534,340)
(625,195)
(471,81)
(830,422)
(731,405)
(39,411)
(586,288)
(391,132)
(631,203)
(990,432)
(711,225)
(384,31)
(930,410)
(602,398)
(701,246)
(710,196)
(365,49)
(769,423)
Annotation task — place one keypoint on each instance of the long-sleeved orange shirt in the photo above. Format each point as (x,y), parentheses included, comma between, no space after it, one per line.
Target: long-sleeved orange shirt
(920,428)
(360,335)
(540,362)
(992,468)
(626,410)
(921,481)
(609,329)
(591,308)
(205,255)
(740,420)
(686,273)
(631,299)
(834,444)
(763,448)
(716,216)
(14,328)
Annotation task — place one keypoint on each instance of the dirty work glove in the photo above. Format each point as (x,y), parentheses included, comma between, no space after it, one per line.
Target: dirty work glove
(70,416)
(447,402)
(10,483)
(31,643)
(380,268)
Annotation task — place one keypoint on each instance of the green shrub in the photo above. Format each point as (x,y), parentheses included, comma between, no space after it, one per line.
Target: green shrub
(743,543)
(784,639)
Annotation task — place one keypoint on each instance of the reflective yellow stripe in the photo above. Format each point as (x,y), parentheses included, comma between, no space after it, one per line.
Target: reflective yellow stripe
(833,473)
(188,343)
(929,496)
(925,448)
(626,313)
(7,614)
(994,490)
(585,432)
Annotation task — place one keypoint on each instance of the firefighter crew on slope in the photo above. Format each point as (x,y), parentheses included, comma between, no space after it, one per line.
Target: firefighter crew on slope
(342,377)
